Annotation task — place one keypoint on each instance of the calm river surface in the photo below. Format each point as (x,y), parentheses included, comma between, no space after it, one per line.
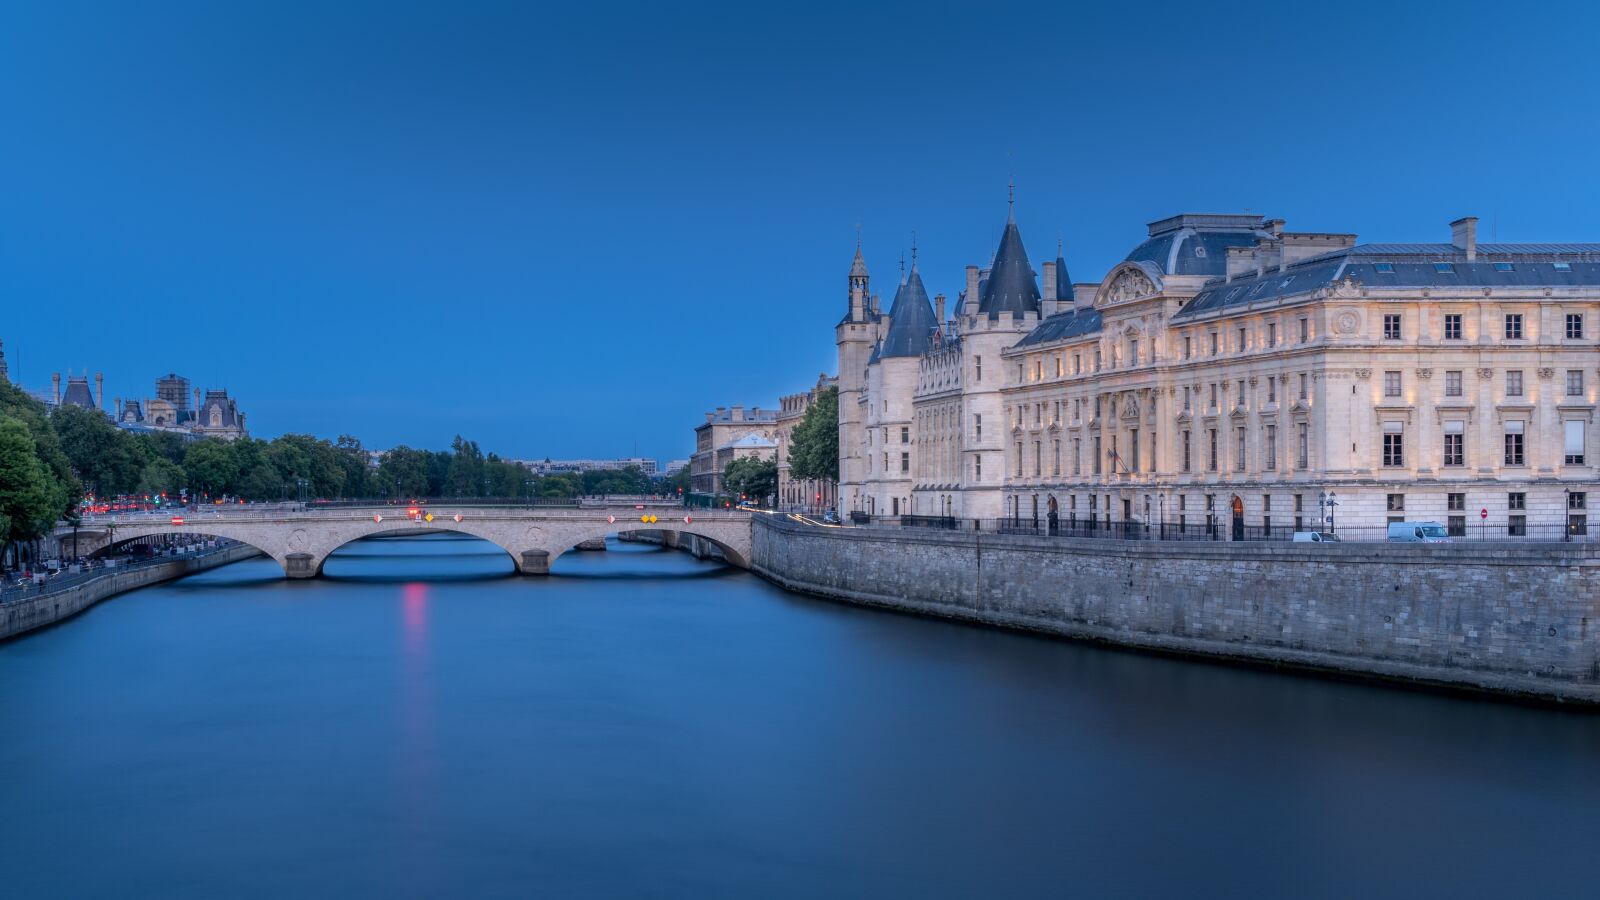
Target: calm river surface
(423,724)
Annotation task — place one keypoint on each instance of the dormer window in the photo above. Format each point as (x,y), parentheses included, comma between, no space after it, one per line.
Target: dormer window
(1383,268)
(1504,267)
(1562,267)
(1444,268)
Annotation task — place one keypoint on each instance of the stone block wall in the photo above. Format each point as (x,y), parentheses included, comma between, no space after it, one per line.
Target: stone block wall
(1517,619)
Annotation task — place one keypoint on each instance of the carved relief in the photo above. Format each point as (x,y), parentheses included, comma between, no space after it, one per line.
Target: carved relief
(1424,373)
(1547,374)
(1486,374)
(1130,285)
(1363,374)
(1347,323)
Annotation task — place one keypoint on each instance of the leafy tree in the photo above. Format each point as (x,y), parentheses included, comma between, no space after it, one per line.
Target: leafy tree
(677,483)
(750,477)
(352,459)
(464,475)
(404,472)
(814,443)
(628,480)
(107,459)
(28,504)
(162,476)
(60,483)
(211,466)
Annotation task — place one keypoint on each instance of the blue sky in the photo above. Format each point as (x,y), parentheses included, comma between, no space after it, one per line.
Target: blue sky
(570,230)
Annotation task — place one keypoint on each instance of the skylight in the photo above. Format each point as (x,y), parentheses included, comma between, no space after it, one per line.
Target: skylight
(1504,267)
(1383,267)
(1563,267)
(1444,268)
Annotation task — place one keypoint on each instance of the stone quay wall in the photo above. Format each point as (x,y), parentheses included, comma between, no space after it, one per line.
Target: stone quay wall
(1511,619)
(23,616)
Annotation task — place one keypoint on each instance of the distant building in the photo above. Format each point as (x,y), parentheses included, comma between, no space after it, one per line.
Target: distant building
(551,466)
(218,416)
(791,410)
(722,428)
(675,466)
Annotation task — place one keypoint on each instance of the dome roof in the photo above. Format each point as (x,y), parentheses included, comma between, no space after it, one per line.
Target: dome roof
(1193,244)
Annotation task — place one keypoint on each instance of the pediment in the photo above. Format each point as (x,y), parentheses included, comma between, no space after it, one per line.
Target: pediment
(1127,282)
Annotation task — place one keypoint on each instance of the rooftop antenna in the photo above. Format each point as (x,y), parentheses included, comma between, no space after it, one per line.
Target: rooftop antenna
(1011,202)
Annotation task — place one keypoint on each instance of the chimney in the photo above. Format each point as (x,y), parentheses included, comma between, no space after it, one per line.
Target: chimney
(1047,301)
(1464,235)
(100,391)
(971,307)
(738,414)
(55,387)
(710,416)
(1275,227)
(197,401)
(116,406)
(938,308)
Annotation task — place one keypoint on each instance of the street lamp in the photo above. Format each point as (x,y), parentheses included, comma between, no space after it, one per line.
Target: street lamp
(1326,502)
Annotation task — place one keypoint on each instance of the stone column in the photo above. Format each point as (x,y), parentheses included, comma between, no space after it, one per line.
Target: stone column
(534,562)
(301,565)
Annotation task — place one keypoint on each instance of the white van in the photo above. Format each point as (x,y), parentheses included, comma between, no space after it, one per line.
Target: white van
(1315,537)
(1418,533)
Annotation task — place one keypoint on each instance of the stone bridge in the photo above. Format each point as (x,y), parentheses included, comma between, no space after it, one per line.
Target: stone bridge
(301,540)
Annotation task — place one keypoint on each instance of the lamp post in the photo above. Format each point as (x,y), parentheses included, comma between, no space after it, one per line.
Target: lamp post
(1326,502)
(1566,529)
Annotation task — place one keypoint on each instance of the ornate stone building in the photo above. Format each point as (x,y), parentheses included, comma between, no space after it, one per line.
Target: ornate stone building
(807,493)
(728,434)
(1228,375)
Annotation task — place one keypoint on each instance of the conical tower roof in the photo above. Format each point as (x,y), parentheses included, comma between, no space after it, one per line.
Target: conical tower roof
(1011,286)
(858,266)
(1064,292)
(911,320)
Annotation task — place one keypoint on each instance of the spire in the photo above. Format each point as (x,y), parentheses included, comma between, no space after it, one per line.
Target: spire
(1011,203)
(858,266)
(1011,286)
(1064,292)
(902,277)
(859,290)
(911,319)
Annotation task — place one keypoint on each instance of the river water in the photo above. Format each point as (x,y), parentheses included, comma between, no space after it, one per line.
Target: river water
(421,723)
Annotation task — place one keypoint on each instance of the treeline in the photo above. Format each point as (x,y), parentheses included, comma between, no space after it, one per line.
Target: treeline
(49,461)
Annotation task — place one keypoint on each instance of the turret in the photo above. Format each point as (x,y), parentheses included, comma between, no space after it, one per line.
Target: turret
(859,292)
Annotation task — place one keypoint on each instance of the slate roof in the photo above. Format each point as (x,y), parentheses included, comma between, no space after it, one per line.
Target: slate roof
(1064,289)
(1010,286)
(1197,244)
(77,393)
(1412,266)
(1062,326)
(911,320)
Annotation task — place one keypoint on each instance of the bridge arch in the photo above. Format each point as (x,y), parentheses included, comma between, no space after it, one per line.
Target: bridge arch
(730,539)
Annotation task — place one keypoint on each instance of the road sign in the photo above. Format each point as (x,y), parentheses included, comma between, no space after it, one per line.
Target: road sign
(611,520)
(457,517)
(428,517)
(1483,513)
(688,519)
(377,518)
(177,520)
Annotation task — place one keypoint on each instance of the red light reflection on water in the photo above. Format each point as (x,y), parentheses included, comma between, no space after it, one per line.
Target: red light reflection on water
(416,761)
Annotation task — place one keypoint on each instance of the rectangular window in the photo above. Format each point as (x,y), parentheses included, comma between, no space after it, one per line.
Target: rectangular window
(1272,448)
(1239,450)
(1243,342)
(1391,327)
(1514,383)
(1133,351)
(905,462)
(1517,501)
(1452,326)
(1455,444)
(1517,526)
(1456,526)
(1186,451)
(1133,440)
(1574,435)
(1452,383)
(1077,363)
(1213,343)
(1272,334)
(1394,444)
(1060,368)
(977,425)
(905,434)
(1574,326)
(1272,389)
(1515,455)
(1391,384)
(1019,459)
(1574,382)
(1305,330)
(1513,326)
(1077,456)
(1577,500)
(977,368)
(1455,502)
(1302,386)
(1096,448)
(977,467)
(1302,452)
(1038,458)
(1188,346)
(1395,502)
(1055,465)
(1186,395)
(1211,456)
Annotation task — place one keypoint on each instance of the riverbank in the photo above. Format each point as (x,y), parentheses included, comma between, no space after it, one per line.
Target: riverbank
(1509,620)
(21,616)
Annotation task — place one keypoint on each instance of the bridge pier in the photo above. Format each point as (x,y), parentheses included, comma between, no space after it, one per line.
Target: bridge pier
(534,562)
(300,565)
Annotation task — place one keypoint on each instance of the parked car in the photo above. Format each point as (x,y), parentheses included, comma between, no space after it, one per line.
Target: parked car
(1418,533)
(1315,537)
(830,517)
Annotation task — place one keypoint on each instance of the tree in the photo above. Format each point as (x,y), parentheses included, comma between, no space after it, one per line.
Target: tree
(814,443)
(404,472)
(107,459)
(27,507)
(464,476)
(60,483)
(211,466)
(677,483)
(750,477)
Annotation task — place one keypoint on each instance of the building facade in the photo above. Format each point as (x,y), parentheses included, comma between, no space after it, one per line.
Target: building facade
(717,443)
(811,494)
(1231,376)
